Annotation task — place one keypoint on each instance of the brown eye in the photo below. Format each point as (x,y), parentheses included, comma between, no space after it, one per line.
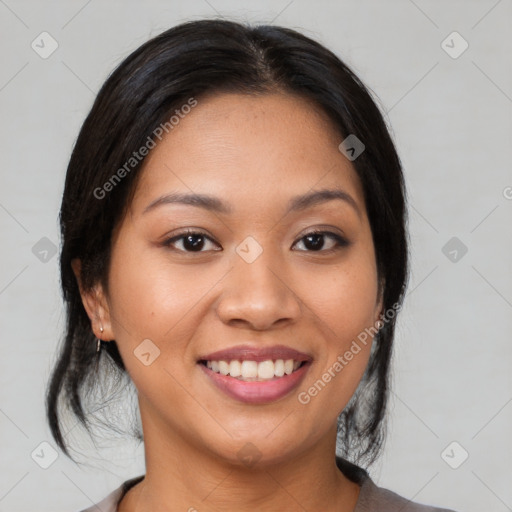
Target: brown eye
(316,241)
(190,241)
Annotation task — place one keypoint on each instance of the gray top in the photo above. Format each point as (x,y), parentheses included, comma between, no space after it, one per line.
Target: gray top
(371,497)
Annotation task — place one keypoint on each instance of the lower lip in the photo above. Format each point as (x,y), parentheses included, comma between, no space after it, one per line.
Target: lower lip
(257,392)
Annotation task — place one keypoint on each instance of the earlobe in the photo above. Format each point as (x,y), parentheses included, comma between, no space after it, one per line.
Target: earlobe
(95,304)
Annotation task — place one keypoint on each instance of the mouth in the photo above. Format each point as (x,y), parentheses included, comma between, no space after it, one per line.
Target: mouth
(256,375)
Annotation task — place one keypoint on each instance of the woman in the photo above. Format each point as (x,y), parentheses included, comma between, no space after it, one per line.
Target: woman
(234,242)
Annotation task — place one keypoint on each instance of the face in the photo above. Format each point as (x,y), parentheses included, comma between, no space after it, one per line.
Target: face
(235,286)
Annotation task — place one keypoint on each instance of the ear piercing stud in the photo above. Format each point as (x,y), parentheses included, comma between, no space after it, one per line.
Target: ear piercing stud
(98,345)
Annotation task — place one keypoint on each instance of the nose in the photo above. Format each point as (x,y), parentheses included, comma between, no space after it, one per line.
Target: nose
(257,295)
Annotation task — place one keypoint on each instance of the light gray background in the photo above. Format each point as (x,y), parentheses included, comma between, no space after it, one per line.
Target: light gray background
(451,120)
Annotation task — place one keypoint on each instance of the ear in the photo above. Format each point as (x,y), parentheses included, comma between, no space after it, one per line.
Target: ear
(95,304)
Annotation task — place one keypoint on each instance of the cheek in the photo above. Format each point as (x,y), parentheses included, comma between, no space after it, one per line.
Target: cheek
(344,298)
(344,306)
(347,310)
(152,299)
(148,295)
(139,295)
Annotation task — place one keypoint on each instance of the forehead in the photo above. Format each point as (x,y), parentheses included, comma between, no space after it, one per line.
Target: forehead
(254,149)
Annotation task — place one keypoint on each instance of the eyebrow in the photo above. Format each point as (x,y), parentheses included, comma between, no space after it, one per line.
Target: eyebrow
(297,203)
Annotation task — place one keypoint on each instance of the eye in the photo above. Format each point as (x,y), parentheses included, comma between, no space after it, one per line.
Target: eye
(197,241)
(315,241)
(190,241)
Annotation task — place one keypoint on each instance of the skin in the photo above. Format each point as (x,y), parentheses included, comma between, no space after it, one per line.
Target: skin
(254,153)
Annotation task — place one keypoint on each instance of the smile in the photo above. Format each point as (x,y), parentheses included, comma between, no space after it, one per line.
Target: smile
(256,375)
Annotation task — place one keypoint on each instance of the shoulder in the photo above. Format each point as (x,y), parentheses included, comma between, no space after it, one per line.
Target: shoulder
(109,504)
(376,499)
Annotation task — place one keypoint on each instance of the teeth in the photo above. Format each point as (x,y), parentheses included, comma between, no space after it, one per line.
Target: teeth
(249,369)
(235,369)
(252,370)
(279,368)
(223,367)
(266,370)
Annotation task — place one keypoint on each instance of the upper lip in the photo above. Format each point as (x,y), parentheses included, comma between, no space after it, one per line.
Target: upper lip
(258,354)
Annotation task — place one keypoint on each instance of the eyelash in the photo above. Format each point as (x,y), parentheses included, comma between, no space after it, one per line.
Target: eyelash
(340,241)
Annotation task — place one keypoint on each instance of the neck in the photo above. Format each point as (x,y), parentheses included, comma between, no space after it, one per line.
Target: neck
(181,477)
